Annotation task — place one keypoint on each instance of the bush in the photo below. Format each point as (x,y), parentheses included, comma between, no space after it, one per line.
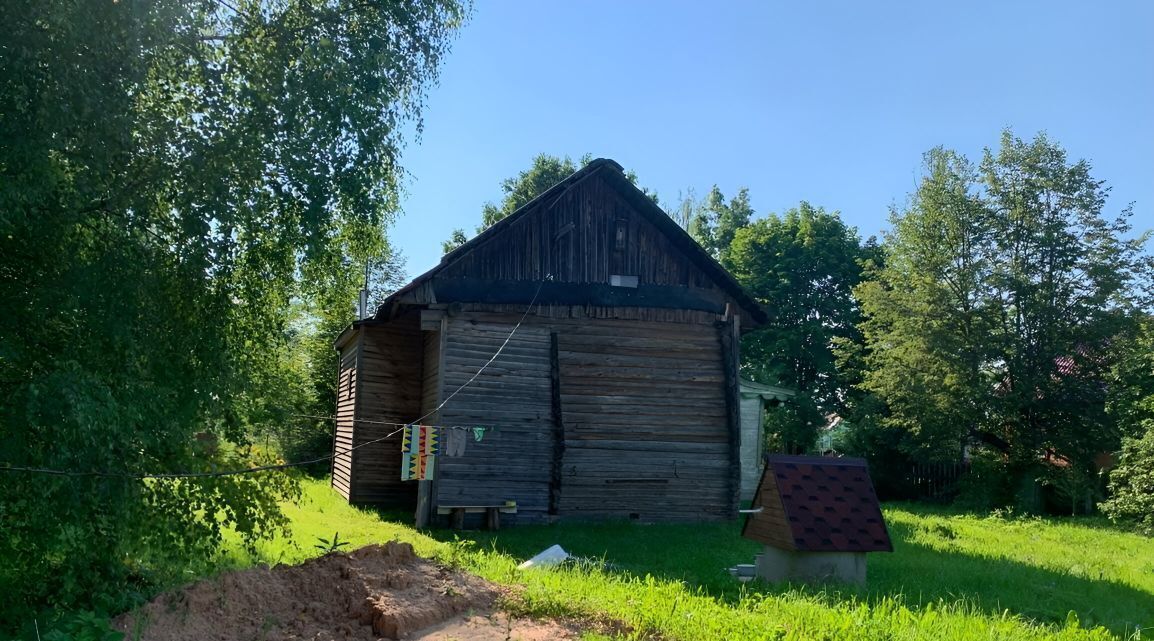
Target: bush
(1132,484)
(985,488)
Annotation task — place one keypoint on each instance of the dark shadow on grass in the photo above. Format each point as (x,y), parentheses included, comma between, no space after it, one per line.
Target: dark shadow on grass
(699,555)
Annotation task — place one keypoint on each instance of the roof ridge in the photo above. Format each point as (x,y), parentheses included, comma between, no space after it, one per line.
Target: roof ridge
(638,199)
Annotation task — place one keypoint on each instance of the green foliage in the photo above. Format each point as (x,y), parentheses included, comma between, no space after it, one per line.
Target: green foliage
(802,266)
(994,317)
(793,427)
(545,172)
(310,389)
(455,240)
(176,175)
(83,626)
(1132,405)
(1132,483)
(328,546)
(987,487)
(714,222)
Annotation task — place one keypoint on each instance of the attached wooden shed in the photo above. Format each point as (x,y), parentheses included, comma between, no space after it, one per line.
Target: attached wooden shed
(817,517)
(755,398)
(616,396)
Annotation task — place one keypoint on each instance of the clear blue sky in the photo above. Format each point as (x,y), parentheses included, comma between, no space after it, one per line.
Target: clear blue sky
(830,102)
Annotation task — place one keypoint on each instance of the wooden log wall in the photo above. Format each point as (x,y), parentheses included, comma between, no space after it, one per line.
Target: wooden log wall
(642,407)
(729,337)
(644,413)
(513,397)
(388,389)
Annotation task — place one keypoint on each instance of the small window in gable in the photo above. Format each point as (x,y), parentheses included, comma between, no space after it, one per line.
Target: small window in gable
(620,234)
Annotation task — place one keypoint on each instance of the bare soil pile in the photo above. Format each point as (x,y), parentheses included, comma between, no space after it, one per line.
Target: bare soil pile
(379,591)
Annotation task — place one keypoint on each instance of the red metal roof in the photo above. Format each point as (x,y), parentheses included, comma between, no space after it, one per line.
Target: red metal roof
(818,504)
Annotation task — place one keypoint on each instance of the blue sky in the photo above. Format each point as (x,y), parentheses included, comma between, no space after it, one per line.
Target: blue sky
(830,102)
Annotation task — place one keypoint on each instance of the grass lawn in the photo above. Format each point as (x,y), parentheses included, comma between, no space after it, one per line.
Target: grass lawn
(951,576)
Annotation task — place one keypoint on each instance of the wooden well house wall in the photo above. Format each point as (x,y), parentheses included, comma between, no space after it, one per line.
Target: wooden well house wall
(615,398)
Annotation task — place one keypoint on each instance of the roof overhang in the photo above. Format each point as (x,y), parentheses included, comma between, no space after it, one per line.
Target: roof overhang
(750,389)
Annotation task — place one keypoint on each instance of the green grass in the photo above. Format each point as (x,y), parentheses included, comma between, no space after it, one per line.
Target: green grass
(952,576)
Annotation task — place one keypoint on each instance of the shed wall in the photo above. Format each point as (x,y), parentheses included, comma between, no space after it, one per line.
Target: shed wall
(388,390)
(751,446)
(345,413)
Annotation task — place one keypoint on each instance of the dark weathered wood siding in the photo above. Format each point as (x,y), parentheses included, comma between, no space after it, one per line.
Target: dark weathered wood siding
(513,397)
(645,421)
(571,246)
(609,401)
(345,413)
(387,390)
(642,408)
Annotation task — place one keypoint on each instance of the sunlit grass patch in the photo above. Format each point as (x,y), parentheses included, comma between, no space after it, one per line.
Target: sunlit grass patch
(951,577)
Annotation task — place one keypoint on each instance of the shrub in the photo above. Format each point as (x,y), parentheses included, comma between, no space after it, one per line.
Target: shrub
(1132,484)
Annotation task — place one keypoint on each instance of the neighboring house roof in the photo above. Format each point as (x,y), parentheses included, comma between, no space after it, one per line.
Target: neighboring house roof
(752,389)
(614,175)
(817,504)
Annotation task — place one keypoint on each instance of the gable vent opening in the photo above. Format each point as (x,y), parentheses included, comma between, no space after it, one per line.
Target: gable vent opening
(618,280)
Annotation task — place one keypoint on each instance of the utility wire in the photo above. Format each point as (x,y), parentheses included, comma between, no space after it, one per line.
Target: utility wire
(282,466)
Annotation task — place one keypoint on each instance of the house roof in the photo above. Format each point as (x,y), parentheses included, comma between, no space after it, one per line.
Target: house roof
(818,504)
(614,175)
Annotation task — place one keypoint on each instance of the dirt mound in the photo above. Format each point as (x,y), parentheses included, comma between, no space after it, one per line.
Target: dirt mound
(377,591)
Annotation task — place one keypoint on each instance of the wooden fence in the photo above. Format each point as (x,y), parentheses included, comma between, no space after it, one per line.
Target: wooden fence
(937,481)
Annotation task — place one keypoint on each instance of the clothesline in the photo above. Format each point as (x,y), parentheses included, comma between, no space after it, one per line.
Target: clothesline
(400,425)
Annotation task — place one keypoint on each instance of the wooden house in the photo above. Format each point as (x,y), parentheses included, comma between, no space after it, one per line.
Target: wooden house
(817,518)
(615,394)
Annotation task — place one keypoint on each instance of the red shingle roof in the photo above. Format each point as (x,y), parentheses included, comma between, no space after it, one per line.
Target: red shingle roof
(818,504)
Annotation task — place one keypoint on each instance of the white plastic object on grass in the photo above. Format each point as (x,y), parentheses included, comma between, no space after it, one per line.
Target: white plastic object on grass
(553,555)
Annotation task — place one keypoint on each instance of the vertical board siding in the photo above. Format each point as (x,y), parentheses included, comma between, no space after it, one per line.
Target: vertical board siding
(572,239)
(389,391)
(751,446)
(430,375)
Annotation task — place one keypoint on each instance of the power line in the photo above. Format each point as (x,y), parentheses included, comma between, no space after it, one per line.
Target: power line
(282,466)
(494,357)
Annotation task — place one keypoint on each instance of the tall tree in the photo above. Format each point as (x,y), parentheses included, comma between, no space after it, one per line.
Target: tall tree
(802,266)
(995,315)
(926,325)
(543,173)
(715,221)
(175,174)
